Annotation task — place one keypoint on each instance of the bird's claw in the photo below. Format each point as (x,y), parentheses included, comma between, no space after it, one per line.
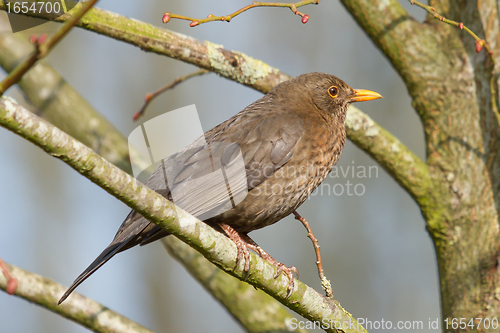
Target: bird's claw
(244,243)
(241,245)
(281,268)
(243,251)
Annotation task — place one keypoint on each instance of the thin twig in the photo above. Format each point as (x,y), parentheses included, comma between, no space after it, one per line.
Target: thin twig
(43,46)
(150,96)
(11,285)
(431,10)
(210,18)
(325,283)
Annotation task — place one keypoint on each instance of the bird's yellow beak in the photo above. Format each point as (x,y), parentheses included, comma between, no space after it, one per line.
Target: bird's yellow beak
(361,95)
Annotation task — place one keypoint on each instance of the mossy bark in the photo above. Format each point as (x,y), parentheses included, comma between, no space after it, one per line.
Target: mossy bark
(455,92)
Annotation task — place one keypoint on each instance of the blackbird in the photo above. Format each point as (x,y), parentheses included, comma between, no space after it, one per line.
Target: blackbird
(289,141)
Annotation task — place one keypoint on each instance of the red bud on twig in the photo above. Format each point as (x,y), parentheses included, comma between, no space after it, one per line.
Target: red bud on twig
(479,45)
(166,17)
(461,25)
(194,23)
(305,18)
(136,116)
(42,38)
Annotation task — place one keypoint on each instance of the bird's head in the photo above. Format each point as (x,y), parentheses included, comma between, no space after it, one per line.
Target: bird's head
(328,93)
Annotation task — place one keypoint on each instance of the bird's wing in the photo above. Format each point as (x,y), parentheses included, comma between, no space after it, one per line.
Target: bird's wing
(268,146)
(215,173)
(208,180)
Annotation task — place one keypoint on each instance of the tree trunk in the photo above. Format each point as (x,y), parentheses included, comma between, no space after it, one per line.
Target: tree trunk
(455,92)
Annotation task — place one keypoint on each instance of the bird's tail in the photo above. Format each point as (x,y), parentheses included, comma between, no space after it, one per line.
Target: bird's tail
(107,254)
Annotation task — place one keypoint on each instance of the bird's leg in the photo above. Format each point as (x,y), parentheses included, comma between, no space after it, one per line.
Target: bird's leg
(279,266)
(327,287)
(244,242)
(11,281)
(242,246)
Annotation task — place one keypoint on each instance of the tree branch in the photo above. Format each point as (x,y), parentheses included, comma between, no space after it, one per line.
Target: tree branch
(431,10)
(233,65)
(78,308)
(400,162)
(414,49)
(213,245)
(384,22)
(325,283)
(238,297)
(44,46)
(151,96)
(227,18)
(52,96)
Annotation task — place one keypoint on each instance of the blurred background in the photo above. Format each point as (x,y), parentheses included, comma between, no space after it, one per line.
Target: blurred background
(54,222)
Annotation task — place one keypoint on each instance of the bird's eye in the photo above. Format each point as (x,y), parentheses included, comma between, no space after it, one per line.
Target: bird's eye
(333,91)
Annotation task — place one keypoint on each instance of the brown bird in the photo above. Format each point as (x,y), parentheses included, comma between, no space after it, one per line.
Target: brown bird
(287,142)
